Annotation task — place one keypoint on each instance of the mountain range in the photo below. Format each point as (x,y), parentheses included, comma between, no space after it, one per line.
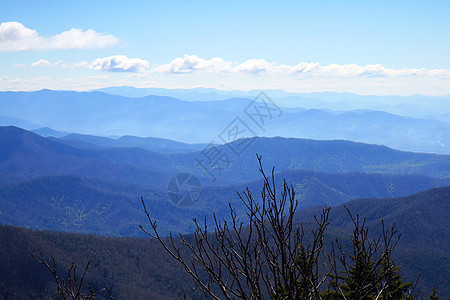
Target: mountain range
(47,184)
(418,106)
(98,113)
(79,162)
(413,105)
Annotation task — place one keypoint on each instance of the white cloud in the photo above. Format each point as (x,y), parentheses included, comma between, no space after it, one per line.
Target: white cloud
(40,63)
(193,63)
(59,63)
(14,36)
(255,66)
(120,63)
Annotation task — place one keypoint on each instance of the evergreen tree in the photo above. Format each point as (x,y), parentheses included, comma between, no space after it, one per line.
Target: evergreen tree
(434,295)
(361,276)
(370,272)
(394,286)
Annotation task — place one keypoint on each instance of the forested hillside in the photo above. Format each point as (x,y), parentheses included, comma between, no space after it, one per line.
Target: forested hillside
(139,268)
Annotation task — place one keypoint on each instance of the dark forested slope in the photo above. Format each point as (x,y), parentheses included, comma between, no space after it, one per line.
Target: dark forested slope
(140,269)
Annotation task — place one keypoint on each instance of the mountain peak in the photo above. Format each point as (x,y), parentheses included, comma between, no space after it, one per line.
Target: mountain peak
(17,141)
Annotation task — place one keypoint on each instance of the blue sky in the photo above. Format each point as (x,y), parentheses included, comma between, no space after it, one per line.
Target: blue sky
(365,47)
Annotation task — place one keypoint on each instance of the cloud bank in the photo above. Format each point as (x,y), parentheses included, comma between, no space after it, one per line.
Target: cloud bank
(193,63)
(192,71)
(14,36)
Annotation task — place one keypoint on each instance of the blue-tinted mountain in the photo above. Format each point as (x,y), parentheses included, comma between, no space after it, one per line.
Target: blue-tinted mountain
(418,106)
(7,120)
(160,145)
(331,156)
(77,204)
(29,155)
(47,132)
(431,207)
(203,121)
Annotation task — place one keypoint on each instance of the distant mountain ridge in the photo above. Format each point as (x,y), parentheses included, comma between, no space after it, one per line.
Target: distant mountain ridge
(160,145)
(419,106)
(29,155)
(98,113)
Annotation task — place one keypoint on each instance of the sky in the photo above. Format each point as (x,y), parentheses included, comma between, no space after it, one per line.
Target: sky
(363,47)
